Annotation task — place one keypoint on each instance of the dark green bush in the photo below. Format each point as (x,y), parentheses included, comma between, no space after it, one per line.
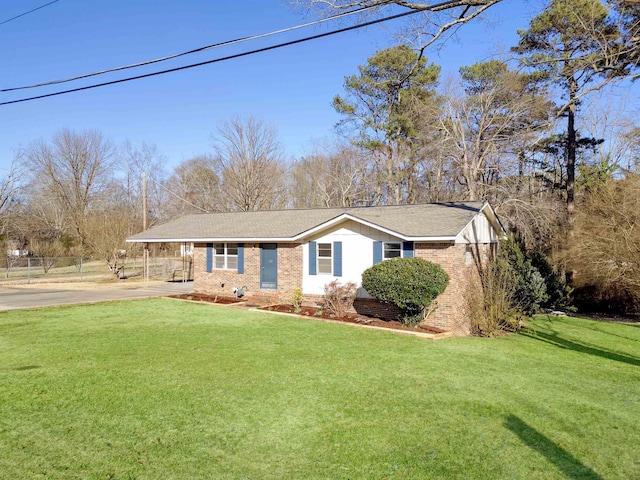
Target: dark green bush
(558,291)
(410,284)
(530,288)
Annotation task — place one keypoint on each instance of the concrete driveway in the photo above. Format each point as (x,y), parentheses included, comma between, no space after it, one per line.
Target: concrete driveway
(46,295)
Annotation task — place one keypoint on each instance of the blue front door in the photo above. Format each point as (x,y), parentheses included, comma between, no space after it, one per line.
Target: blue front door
(269,266)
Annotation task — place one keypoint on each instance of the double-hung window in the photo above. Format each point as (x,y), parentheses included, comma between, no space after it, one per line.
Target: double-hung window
(325,259)
(391,250)
(225,256)
(388,250)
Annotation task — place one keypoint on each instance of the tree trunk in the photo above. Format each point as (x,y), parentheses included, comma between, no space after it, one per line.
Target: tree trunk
(572,145)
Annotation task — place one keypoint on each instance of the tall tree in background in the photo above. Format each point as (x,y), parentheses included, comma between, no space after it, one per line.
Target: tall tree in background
(10,185)
(336,177)
(572,43)
(194,187)
(73,170)
(133,163)
(386,108)
(250,163)
(629,21)
(483,126)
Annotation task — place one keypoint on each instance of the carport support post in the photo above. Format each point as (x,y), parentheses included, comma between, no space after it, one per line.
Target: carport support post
(145,263)
(145,251)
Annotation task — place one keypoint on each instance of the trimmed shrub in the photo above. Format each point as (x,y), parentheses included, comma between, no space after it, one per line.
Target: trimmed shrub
(411,284)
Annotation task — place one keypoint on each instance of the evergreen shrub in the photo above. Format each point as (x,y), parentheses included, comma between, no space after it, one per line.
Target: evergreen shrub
(411,284)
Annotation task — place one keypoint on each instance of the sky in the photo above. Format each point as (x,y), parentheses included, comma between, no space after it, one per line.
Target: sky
(290,88)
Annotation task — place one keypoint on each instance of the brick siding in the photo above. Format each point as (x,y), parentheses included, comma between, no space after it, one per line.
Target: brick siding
(450,312)
(222,282)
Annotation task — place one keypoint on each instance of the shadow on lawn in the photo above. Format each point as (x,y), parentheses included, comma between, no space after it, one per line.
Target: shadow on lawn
(561,342)
(570,466)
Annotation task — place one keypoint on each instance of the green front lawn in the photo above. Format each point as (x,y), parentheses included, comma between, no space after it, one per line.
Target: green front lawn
(157,389)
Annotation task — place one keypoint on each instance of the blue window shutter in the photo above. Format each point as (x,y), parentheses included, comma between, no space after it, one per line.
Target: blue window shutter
(209,257)
(407,249)
(312,258)
(377,252)
(241,258)
(337,259)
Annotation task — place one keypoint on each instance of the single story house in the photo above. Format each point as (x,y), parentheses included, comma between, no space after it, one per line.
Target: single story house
(271,253)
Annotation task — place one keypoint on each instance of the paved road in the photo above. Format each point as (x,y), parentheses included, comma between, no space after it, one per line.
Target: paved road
(12,298)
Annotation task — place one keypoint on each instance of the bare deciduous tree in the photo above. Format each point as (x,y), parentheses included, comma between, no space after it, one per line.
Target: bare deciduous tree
(497,110)
(432,20)
(73,169)
(10,185)
(250,162)
(46,250)
(605,251)
(135,162)
(606,119)
(194,187)
(336,177)
(106,234)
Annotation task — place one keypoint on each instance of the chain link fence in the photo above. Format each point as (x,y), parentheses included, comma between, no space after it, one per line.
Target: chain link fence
(82,269)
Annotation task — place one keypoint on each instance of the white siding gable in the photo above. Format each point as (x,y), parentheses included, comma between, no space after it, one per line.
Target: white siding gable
(357,254)
(478,230)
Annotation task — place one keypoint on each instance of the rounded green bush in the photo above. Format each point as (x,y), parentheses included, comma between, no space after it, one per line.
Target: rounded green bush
(410,284)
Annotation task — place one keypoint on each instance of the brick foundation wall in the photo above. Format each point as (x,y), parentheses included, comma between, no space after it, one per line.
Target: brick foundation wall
(221,282)
(450,312)
(373,308)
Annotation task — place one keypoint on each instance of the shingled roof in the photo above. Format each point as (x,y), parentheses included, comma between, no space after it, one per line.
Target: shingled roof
(425,221)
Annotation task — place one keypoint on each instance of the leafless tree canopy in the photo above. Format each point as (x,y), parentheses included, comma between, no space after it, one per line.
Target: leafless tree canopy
(250,161)
(333,176)
(74,169)
(194,187)
(605,249)
(431,22)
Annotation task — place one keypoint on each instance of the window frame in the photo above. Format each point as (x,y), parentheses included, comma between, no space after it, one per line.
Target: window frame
(324,258)
(225,256)
(399,250)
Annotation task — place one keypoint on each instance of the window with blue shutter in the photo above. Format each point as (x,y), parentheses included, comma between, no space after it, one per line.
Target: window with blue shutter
(209,257)
(377,252)
(241,258)
(337,259)
(407,249)
(312,258)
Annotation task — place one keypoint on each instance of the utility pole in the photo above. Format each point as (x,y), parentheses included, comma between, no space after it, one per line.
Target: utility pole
(145,251)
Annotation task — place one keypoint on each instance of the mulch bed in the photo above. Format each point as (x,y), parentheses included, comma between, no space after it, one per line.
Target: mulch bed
(201,297)
(349,318)
(313,312)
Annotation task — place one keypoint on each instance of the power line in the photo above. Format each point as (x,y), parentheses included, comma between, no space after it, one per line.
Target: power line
(216,60)
(176,195)
(189,52)
(27,13)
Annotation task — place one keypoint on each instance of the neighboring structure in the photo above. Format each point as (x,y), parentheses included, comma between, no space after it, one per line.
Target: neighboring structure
(271,253)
